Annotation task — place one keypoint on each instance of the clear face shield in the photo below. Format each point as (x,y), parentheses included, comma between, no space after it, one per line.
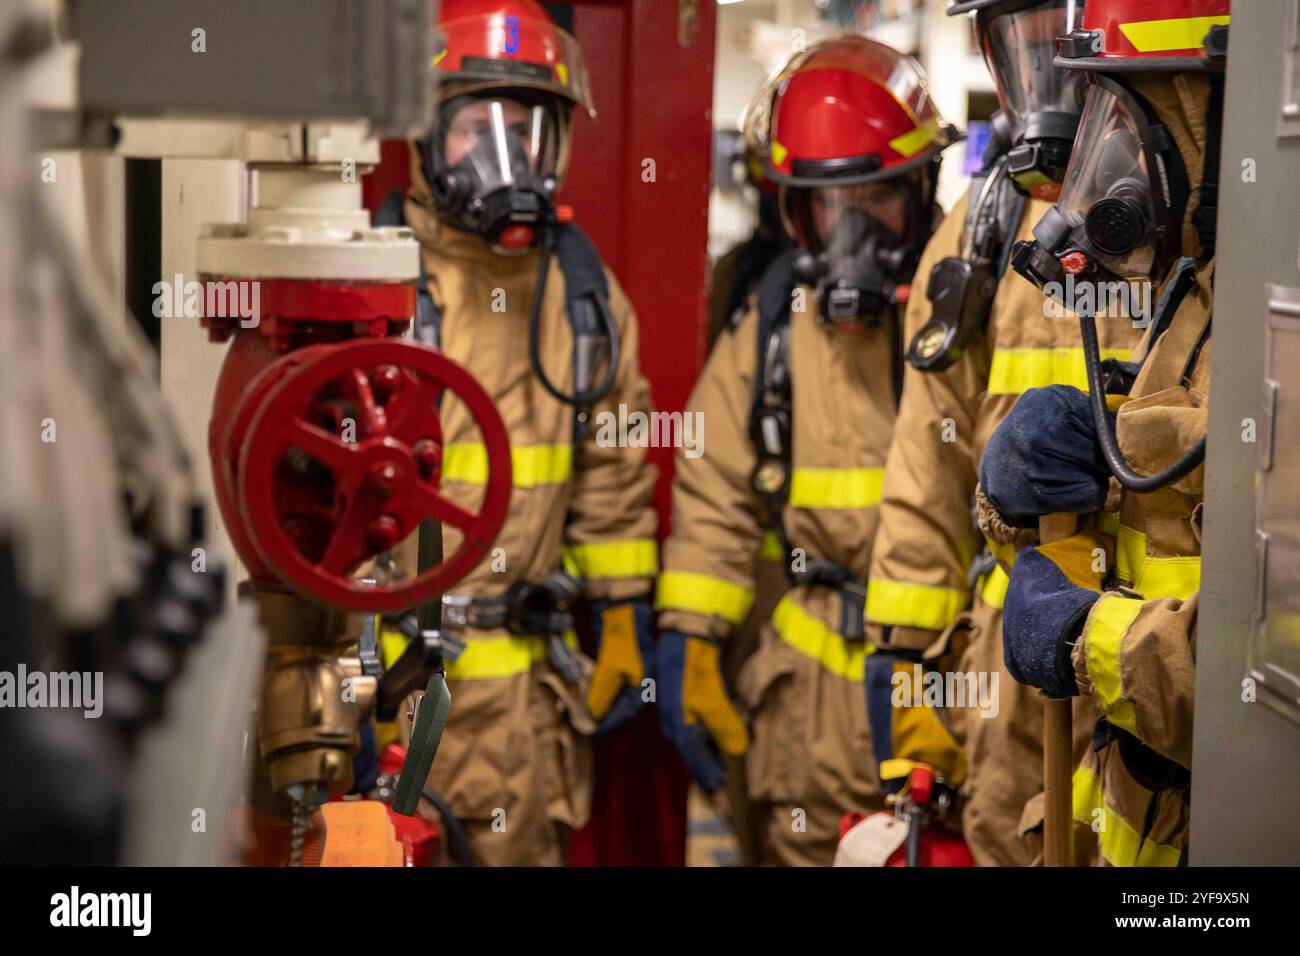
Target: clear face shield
(856,244)
(1040,101)
(1107,190)
(1123,188)
(494,160)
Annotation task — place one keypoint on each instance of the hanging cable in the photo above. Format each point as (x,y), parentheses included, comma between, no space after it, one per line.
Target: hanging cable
(579,398)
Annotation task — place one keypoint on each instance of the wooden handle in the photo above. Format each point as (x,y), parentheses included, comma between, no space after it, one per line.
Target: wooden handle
(1058,741)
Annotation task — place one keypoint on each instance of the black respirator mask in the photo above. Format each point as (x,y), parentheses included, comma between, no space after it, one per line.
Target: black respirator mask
(1040,102)
(502,188)
(859,269)
(1121,209)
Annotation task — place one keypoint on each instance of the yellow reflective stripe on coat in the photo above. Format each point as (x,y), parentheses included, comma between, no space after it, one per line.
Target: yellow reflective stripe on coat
(1154,578)
(838,488)
(994,589)
(901,604)
(1103,637)
(1120,842)
(631,558)
(811,637)
(703,594)
(392,642)
(497,655)
(531,465)
(1161,36)
(1014,371)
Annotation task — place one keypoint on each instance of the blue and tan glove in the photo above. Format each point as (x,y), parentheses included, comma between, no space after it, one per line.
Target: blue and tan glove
(905,733)
(1052,589)
(694,710)
(1044,458)
(624,653)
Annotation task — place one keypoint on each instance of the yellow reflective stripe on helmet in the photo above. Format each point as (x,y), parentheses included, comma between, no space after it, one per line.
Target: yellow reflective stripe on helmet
(1016,370)
(496,655)
(911,143)
(631,558)
(1103,637)
(1119,840)
(531,465)
(772,550)
(900,604)
(1154,578)
(994,591)
(838,488)
(812,638)
(1161,36)
(703,594)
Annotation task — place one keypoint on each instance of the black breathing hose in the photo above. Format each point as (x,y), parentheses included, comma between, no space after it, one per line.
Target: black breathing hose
(1115,461)
(594,395)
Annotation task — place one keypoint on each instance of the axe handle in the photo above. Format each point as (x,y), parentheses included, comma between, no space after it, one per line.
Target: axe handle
(1058,745)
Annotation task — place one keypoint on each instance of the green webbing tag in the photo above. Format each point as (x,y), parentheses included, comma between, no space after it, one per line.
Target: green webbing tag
(430,722)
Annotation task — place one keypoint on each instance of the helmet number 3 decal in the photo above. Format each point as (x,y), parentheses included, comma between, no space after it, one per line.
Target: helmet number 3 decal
(510,37)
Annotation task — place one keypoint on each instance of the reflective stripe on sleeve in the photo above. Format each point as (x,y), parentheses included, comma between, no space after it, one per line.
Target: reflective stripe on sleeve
(631,558)
(900,604)
(703,594)
(836,488)
(1103,636)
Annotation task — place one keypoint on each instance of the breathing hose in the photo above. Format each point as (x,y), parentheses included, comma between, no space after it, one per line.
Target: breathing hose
(1115,461)
(591,396)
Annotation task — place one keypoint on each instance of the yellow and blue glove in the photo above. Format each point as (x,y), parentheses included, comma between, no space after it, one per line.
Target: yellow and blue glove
(904,737)
(1052,589)
(694,710)
(624,653)
(1044,458)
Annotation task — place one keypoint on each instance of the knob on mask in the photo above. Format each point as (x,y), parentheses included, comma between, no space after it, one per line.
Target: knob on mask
(1118,222)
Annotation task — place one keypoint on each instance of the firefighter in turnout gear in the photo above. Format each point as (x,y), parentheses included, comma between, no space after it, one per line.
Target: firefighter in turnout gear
(521,300)
(978,339)
(799,401)
(1138,203)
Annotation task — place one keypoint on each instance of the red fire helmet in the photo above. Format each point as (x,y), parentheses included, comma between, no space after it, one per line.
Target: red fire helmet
(490,44)
(1145,35)
(850,110)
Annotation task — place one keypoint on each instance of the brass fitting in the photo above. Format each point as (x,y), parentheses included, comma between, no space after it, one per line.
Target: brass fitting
(314,696)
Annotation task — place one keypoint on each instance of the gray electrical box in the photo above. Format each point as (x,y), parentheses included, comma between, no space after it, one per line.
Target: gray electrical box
(272,59)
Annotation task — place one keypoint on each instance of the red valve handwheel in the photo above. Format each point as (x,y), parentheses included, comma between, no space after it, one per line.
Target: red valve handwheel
(230,441)
(317,504)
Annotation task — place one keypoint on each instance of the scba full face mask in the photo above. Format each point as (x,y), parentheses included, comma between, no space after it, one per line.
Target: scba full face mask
(1122,201)
(1040,102)
(857,245)
(494,161)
